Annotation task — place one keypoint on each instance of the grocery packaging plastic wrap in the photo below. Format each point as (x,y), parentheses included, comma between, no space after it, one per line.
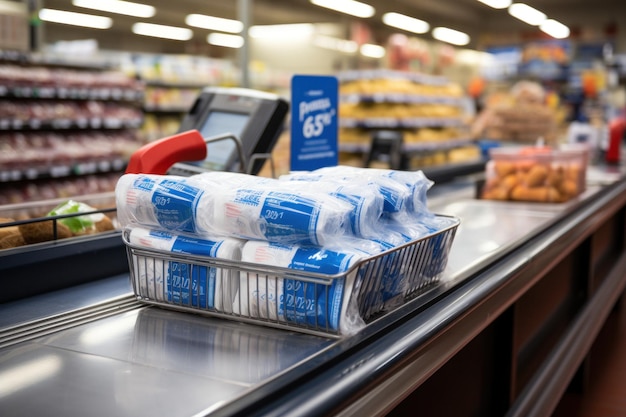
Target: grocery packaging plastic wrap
(366,201)
(322,305)
(250,211)
(403,191)
(183,283)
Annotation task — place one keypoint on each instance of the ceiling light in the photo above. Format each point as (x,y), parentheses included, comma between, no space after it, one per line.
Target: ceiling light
(410,24)
(336,44)
(527,14)
(214,23)
(225,40)
(117,6)
(497,4)
(162,31)
(282,31)
(76,19)
(351,7)
(372,51)
(555,29)
(452,36)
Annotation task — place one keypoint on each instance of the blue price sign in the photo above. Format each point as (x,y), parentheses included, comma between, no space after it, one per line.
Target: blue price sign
(313,122)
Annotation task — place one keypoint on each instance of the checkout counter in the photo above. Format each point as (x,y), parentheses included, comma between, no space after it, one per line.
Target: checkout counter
(507,331)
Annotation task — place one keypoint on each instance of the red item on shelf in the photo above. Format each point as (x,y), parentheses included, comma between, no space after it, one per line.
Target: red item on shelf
(617,128)
(158,156)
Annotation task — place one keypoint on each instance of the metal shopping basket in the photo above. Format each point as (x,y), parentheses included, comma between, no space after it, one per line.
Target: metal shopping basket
(278,296)
(282,297)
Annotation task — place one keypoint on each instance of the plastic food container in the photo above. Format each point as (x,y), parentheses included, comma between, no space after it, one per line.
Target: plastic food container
(535,174)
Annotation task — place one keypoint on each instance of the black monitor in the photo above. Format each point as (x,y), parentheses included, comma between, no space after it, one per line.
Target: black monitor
(256,118)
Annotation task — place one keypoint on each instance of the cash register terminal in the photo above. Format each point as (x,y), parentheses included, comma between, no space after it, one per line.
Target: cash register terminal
(223,131)
(255,118)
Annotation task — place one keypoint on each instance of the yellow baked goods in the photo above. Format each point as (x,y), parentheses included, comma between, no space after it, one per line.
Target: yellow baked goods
(12,241)
(534,174)
(43,231)
(7,230)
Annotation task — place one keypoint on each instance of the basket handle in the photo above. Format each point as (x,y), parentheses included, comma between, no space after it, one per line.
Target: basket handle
(158,156)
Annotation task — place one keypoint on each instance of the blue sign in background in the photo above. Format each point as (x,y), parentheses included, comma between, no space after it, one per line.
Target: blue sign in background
(314,101)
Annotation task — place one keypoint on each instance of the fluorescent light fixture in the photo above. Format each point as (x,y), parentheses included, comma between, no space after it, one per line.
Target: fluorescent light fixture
(117,6)
(225,40)
(351,7)
(410,24)
(497,4)
(214,23)
(336,44)
(75,19)
(527,14)
(282,31)
(554,28)
(452,36)
(372,51)
(162,31)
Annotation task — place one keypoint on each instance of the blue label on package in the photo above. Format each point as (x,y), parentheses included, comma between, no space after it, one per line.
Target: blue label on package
(317,305)
(175,205)
(314,115)
(190,284)
(287,214)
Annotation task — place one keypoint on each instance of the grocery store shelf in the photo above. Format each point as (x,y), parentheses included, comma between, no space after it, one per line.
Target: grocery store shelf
(70,93)
(409,123)
(400,98)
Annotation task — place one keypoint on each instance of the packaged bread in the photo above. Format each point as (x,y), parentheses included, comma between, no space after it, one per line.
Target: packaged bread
(43,230)
(534,174)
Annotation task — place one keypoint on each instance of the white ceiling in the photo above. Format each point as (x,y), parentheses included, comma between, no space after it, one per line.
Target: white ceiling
(478,20)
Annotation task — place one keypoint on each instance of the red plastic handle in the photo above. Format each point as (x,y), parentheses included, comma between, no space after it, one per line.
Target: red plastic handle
(158,156)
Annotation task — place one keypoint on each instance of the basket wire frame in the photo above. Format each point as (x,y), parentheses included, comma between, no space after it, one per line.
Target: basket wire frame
(288,298)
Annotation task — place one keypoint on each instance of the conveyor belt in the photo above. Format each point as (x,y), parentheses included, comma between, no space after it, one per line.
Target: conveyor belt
(45,326)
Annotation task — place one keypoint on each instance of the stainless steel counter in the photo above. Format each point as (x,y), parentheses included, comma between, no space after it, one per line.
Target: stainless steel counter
(104,354)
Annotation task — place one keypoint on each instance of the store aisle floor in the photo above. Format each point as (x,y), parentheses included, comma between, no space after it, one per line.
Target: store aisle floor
(605,395)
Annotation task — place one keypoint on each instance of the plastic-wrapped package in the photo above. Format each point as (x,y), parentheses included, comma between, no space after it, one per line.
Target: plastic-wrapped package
(168,202)
(245,210)
(413,185)
(367,203)
(321,305)
(183,283)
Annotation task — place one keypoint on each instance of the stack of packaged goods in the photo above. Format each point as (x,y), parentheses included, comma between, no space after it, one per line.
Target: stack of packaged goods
(521,116)
(322,222)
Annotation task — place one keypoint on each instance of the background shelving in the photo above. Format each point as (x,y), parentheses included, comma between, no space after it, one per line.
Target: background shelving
(60,124)
(427,112)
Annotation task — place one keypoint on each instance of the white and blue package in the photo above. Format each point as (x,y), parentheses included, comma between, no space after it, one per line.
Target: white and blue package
(367,203)
(183,282)
(410,197)
(284,216)
(415,181)
(168,202)
(320,305)
(254,210)
(395,195)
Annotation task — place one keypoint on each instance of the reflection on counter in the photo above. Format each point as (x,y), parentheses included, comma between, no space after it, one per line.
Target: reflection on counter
(234,352)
